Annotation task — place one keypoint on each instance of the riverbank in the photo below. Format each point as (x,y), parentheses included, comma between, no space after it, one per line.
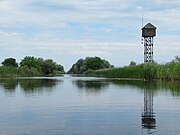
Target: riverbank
(149,71)
(13,72)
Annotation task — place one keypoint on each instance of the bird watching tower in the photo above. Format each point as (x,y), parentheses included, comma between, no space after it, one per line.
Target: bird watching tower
(148,32)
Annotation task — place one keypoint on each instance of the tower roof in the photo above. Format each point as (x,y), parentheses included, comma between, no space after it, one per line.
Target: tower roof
(149,26)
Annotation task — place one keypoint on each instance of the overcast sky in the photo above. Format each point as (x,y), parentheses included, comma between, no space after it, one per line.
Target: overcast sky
(66,30)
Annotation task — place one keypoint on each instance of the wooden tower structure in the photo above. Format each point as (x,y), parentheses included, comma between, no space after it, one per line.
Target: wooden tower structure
(148,32)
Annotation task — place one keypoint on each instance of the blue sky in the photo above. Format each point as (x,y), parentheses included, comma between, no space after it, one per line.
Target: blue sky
(66,30)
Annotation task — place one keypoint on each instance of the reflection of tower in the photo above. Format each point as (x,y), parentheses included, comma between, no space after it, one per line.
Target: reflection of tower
(148,117)
(148,32)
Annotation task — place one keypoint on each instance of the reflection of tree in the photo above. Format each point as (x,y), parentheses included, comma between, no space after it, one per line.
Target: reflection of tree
(91,86)
(37,85)
(29,85)
(174,86)
(155,86)
(9,85)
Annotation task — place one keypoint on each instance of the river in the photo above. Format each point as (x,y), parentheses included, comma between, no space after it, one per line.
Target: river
(71,105)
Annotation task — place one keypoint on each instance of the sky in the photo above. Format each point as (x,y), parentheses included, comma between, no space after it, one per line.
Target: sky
(67,30)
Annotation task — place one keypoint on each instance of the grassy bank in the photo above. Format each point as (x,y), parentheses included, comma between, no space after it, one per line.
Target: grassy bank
(148,71)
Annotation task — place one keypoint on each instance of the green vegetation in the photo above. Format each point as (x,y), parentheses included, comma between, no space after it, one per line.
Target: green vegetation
(147,71)
(8,72)
(30,66)
(94,66)
(10,62)
(89,63)
(122,72)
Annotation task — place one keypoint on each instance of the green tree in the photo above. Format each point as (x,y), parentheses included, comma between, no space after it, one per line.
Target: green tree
(78,68)
(107,64)
(49,66)
(59,68)
(132,63)
(38,66)
(30,62)
(93,63)
(29,71)
(10,62)
(30,66)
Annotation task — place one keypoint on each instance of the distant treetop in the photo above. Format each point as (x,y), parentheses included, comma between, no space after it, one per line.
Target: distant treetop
(93,63)
(10,62)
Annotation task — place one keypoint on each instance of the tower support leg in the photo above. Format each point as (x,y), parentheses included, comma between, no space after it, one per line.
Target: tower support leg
(148,49)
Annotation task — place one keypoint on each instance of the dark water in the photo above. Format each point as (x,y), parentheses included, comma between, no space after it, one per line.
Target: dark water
(88,106)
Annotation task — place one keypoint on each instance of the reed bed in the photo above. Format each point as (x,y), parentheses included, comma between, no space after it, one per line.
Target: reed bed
(149,71)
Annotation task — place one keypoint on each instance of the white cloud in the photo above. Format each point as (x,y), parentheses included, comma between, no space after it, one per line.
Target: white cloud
(86,27)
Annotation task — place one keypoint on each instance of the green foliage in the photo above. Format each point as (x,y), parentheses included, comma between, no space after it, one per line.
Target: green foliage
(30,62)
(148,71)
(28,71)
(48,66)
(122,72)
(10,62)
(59,69)
(30,66)
(94,63)
(168,71)
(8,71)
(132,63)
(89,63)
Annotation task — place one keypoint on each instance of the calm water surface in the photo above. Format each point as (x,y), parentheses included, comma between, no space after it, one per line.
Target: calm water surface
(88,106)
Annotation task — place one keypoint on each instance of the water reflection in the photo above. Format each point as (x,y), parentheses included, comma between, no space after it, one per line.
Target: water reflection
(148,115)
(149,88)
(98,85)
(37,85)
(91,86)
(116,109)
(28,85)
(154,86)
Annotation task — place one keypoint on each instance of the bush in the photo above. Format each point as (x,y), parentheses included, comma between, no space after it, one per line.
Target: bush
(28,71)
(8,72)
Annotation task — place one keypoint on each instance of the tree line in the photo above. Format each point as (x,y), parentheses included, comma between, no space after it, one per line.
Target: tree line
(30,66)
